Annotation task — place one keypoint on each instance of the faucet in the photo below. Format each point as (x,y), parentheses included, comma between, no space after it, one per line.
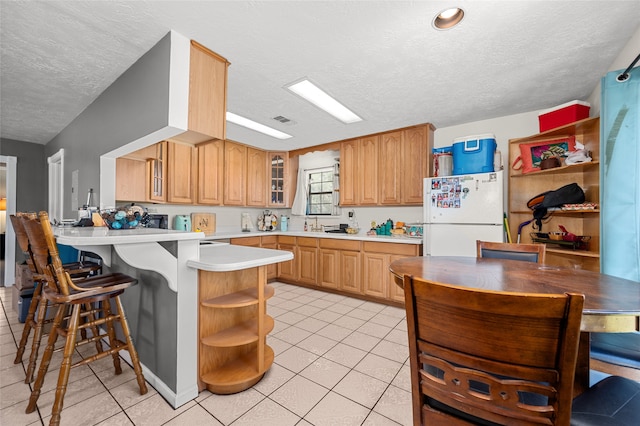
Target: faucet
(315,227)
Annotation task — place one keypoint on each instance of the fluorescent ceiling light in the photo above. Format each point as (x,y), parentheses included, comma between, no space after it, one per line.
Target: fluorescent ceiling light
(250,124)
(322,100)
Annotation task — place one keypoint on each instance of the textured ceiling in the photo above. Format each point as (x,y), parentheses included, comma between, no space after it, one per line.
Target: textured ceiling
(380,58)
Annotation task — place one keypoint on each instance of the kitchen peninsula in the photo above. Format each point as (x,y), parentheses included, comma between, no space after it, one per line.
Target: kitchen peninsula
(163,310)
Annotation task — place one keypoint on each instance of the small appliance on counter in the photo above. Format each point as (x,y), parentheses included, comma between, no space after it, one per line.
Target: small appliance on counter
(160,221)
(182,222)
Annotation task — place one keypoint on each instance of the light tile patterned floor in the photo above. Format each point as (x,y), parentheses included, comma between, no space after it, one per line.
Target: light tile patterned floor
(339,361)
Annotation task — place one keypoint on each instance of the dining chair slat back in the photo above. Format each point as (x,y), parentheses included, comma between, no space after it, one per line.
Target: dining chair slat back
(486,357)
(526,252)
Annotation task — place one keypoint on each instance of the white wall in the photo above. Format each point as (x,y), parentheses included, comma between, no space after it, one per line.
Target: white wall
(624,59)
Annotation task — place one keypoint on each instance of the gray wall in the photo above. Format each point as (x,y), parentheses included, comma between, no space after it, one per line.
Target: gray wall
(135,105)
(31,176)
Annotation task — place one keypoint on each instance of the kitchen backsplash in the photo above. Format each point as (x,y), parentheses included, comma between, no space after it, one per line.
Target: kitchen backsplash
(228,219)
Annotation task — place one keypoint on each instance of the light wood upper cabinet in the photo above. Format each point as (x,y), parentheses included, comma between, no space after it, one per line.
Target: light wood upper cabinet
(180,171)
(210,172)
(349,172)
(389,167)
(386,168)
(207,92)
(131,177)
(235,173)
(368,177)
(256,177)
(417,143)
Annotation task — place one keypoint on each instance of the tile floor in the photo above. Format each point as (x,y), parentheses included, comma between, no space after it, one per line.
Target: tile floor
(339,361)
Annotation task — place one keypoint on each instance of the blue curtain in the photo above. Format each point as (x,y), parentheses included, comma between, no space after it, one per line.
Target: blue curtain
(620,175)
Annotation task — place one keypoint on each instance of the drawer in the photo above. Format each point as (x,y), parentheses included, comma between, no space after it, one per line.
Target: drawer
(246,241)
(331,243)
(271,239)
(286,239)
(391,248)
(307,242)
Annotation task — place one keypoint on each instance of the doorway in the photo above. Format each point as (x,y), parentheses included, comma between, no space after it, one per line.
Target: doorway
(8,167)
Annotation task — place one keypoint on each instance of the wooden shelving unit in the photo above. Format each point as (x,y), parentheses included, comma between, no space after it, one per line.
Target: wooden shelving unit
(233,325)
(523,187)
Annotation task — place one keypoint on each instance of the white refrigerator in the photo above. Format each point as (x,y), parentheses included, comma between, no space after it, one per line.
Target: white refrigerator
(458,210)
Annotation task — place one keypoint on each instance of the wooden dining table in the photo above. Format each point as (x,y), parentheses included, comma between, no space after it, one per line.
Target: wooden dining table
(611,305)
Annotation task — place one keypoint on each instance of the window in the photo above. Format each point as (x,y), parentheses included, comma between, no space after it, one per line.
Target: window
(321,191)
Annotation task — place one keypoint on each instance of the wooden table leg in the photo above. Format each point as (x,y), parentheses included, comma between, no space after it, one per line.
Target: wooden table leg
(581,382)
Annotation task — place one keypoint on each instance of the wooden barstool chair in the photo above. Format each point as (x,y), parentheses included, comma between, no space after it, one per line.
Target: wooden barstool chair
(37,310)
(63,291)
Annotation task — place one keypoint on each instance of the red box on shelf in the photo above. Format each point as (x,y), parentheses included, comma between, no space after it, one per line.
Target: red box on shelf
(563,114)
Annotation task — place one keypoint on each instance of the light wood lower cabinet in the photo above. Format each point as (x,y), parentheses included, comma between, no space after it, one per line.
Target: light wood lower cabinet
(270,242)
(374,274)
(348,266)
(265,241)
(377,281)
(329,268)
(339,264)
(308,260)
(288,270)
(232,329)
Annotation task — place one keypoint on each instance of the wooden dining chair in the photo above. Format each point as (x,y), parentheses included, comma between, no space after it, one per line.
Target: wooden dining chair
(526,252)
(36,316)
(76,296)
(486,357)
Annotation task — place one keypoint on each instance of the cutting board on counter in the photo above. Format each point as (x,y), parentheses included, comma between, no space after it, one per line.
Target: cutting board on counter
(205,222)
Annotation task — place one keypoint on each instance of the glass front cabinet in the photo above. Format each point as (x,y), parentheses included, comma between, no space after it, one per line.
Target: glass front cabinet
(278,179)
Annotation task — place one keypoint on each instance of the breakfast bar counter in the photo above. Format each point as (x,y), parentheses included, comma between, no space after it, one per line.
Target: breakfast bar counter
(163,309)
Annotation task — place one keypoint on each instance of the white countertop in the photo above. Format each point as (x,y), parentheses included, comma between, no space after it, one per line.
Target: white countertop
(102,235)
(222,257)
(362,236)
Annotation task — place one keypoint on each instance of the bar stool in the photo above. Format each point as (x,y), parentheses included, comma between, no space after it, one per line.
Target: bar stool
(37,310)
(63,291)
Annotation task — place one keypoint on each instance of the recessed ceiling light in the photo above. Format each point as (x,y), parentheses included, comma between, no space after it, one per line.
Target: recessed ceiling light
(448,18)
(312,93)
(250,124)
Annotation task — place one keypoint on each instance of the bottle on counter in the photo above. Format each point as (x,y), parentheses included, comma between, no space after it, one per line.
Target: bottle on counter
(305,225)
